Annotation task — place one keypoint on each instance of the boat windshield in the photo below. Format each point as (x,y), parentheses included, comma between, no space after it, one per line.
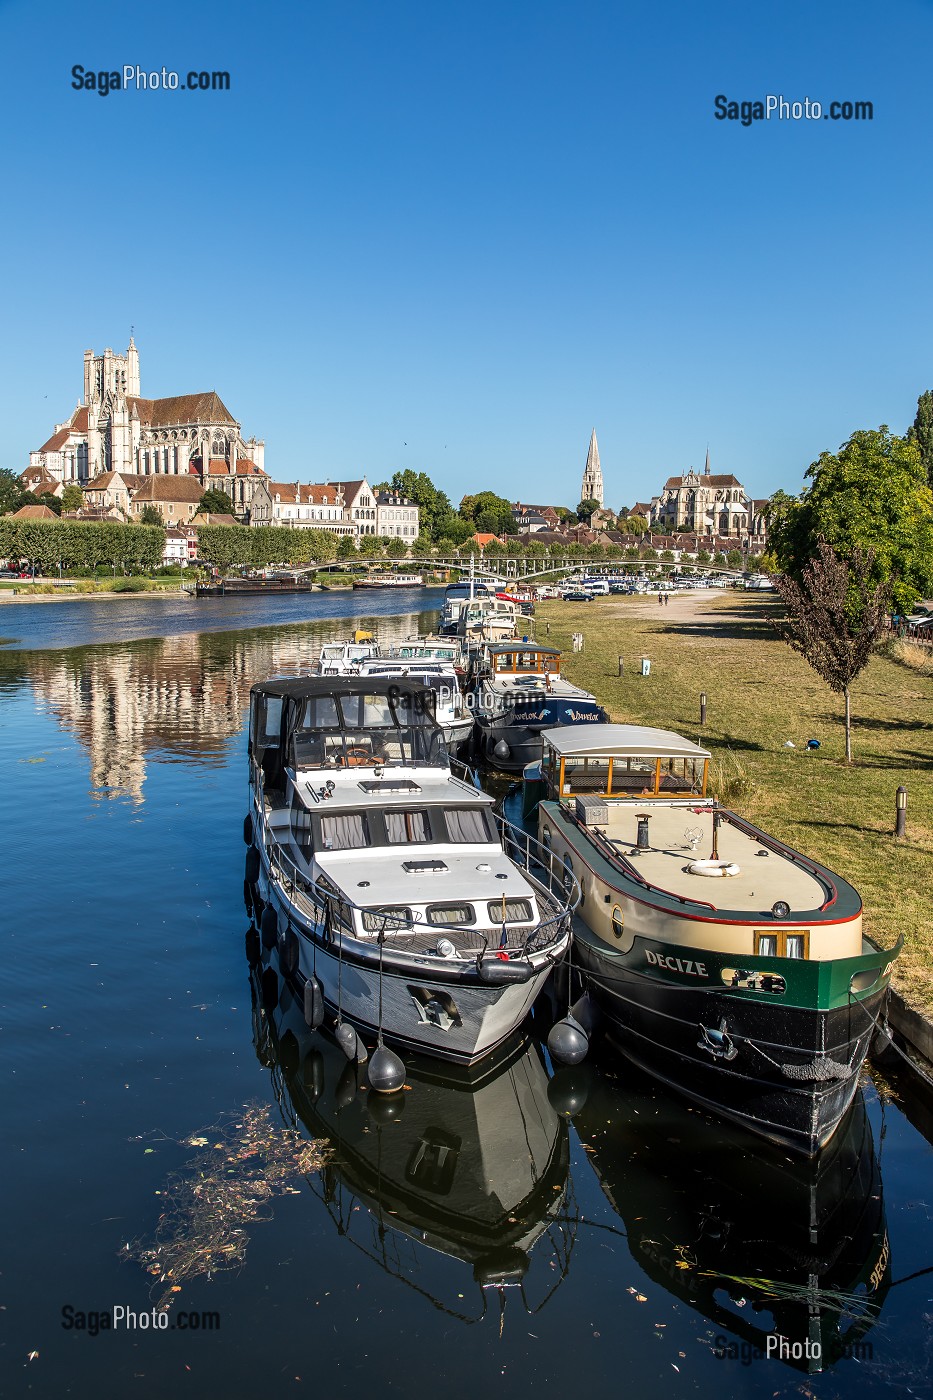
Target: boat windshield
(365,730)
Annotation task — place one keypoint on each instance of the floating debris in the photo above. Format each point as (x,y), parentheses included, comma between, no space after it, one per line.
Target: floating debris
(224,1188)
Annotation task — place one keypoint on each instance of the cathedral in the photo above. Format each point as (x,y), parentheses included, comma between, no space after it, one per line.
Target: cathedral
(114,429)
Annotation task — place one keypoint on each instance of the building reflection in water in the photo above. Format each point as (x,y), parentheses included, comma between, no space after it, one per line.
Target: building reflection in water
(174,698)
(469,1168)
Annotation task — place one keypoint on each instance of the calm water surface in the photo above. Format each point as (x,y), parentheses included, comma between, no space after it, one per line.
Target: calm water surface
(481,1240)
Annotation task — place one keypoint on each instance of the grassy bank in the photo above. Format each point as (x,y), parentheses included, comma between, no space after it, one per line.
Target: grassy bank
(760,695)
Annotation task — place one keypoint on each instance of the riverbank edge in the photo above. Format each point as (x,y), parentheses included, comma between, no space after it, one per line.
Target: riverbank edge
(915,1029)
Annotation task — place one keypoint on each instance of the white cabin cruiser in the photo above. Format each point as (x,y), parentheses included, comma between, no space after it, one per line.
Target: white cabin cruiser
(400,903)
(451,710)
(345,658)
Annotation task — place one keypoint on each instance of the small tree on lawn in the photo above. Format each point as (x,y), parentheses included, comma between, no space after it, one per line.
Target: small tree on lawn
(835,613)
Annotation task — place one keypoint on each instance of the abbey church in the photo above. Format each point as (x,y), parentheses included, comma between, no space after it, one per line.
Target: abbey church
(115,430)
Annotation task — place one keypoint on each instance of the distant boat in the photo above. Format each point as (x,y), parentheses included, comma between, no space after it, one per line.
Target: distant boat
(274,583)
(390,581)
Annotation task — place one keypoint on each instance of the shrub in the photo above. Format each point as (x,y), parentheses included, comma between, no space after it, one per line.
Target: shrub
(730,781)
(134,584)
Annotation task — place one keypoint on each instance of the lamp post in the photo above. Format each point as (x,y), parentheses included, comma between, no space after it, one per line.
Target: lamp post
(900,825)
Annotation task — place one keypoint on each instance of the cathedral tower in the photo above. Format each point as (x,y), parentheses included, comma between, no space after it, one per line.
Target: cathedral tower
(592,488)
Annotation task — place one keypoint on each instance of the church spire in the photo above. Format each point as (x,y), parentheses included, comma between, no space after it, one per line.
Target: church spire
(706,468)
(592,489)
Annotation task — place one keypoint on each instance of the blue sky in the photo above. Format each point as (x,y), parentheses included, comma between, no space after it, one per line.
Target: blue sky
(455,238)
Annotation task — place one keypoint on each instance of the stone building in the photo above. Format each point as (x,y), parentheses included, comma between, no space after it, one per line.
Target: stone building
(592,488)
(115,429)
(699,503)
(396,516)
(303,507)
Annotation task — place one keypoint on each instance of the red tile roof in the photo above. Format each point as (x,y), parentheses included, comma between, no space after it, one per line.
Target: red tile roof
(182,408)
(33,513)
(298,493)
(168,488)
(57,441)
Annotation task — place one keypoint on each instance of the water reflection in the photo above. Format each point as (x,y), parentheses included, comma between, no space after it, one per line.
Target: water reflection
(472,1170)
(179,698)
(757,1243)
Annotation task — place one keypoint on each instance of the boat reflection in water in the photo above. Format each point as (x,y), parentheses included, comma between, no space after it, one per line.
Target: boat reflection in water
(470,1166)
(758,1242)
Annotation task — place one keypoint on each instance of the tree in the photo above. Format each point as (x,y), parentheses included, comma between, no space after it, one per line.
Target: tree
(225,545)
(836,610)
(371,546)
(735,559)
(635,525)
(396,548)
(11,491)
(871,496)
(346,547)
(215,502)
(703,556)
(488,513)
(433,505)
(585,508)
(922,433)
(72,497)
(150,515)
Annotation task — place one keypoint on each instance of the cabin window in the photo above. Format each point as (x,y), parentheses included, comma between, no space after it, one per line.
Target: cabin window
(270,720)
(586,775)
(466,824)
(782,944)
(321,713)
(509,911)
(345,833)
(618,920)
(392,918)
(504,662)
(443,915)
(407,826)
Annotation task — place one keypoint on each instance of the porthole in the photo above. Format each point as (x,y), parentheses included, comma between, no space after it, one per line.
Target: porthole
(546,838)
(618,920)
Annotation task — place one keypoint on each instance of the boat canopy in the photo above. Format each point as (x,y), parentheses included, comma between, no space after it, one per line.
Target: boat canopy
(620,741)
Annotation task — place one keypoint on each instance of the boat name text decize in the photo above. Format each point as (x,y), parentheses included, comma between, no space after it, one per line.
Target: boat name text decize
(687,965)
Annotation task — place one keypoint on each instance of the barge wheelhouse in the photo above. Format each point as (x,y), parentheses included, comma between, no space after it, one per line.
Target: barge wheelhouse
(729,966)
(518,693)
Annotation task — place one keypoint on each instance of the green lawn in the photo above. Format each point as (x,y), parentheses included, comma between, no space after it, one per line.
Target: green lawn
(760,695)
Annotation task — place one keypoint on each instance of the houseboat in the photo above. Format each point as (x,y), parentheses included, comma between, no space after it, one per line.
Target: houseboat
(381,876)
(728,965)
(518,692)
(389,581)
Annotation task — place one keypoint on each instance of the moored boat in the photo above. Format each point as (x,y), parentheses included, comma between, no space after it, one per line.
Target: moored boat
(728,965)
(450,706)
(381,874)
(389,581)
(518,692)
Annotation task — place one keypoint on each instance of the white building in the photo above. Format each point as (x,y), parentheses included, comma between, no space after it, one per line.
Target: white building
(396,516)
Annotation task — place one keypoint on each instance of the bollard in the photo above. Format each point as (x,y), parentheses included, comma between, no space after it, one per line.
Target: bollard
(900,826)
(621,665)
(702,706)
(547,629)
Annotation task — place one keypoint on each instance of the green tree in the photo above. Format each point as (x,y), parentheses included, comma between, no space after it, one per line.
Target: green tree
(635,525)
(396,548)
(150,515)
(72,497)
(346,547)
(215,502)
(11,492)
(921,433)
(872,496)
(489,513)
(735,559)
(225,545)
(371,546)
(433,505)
(703,556)
(835,613)
(585,508)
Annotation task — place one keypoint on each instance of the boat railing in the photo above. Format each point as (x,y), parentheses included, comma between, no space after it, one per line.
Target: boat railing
(555,886)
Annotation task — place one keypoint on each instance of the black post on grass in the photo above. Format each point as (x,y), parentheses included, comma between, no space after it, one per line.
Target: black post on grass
(621,665)
(900,824)
(702,706)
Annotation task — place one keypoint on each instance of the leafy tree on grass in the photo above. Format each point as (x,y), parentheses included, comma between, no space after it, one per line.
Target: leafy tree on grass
(735,559)
(922,433)
(872,497)
(346,547)
(396,548)
(150,515)
(835,612)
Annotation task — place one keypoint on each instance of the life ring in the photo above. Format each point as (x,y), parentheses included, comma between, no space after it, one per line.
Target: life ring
(714,868)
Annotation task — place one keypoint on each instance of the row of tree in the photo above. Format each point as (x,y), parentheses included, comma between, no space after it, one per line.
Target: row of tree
(69,545)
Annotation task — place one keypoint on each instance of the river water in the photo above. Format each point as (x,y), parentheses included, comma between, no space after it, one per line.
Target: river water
(499,1235)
